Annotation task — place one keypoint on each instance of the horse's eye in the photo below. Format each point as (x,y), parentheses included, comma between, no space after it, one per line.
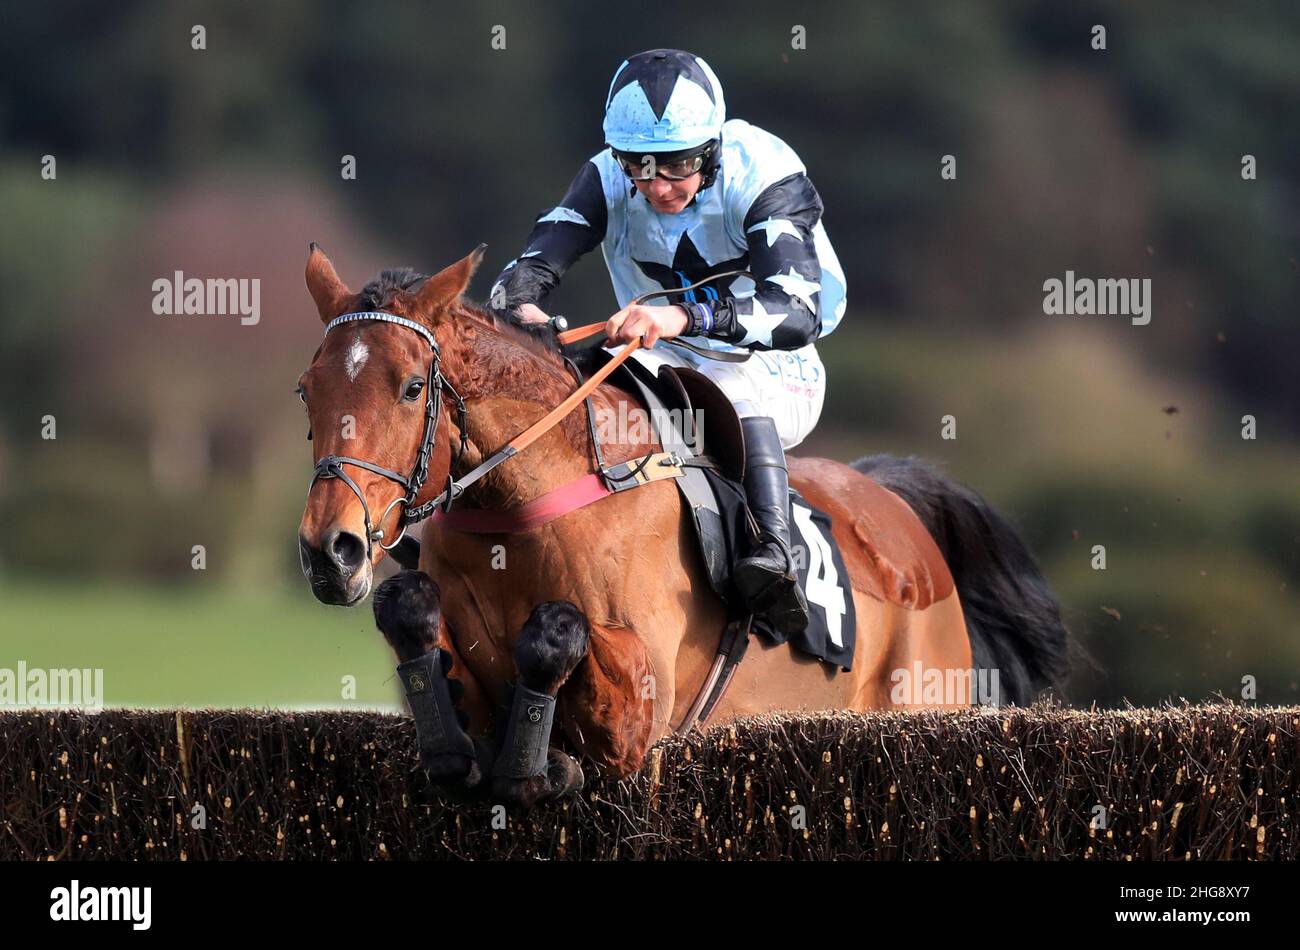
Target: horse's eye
(413,390)
(302,394)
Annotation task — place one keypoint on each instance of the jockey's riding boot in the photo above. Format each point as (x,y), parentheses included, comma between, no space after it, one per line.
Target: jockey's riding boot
(766,579)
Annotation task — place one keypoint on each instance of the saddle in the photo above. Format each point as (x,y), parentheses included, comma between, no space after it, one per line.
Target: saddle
(713,455)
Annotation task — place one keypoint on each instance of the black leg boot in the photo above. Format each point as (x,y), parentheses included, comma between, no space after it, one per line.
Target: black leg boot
(766,579)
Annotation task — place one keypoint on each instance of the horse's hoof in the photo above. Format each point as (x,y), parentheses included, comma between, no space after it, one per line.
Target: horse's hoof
(429,790)
(452,769)
(521,793)
(564,775)
(456,776)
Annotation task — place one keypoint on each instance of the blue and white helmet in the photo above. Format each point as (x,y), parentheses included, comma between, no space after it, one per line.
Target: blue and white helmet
(663,100)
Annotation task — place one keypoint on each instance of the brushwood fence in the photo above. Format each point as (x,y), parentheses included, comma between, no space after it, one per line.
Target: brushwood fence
(1176,783)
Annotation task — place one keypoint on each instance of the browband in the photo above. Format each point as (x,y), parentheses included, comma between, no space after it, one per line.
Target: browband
(383,317)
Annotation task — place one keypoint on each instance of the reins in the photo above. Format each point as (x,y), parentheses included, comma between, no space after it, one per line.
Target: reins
(551,419)
(539,428)
(582,333)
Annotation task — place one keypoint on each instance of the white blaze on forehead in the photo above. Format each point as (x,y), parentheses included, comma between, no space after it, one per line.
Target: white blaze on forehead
(358,353)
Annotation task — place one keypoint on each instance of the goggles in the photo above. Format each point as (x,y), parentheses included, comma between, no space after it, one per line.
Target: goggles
(674,166)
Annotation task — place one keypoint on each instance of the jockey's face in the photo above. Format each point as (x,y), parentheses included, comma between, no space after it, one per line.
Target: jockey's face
(670,197)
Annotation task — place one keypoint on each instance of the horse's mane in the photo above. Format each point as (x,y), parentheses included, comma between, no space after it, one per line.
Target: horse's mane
(539,338)
(504,331)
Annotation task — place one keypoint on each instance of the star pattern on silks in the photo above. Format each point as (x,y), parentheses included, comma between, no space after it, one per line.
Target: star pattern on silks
(759,324)
(689,267)
(562,214)
(657,73)
(774,228)
(797,285)
(516,260)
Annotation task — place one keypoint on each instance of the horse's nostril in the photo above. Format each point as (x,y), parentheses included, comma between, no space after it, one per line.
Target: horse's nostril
(347,550)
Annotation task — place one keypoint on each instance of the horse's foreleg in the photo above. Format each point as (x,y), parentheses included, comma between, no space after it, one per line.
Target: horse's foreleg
(552,643)
(408,612)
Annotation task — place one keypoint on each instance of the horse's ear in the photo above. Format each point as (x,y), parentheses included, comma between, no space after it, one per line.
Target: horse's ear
(445,287)
(330,293)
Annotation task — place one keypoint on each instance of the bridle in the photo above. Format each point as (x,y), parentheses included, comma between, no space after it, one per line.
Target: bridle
(331,466)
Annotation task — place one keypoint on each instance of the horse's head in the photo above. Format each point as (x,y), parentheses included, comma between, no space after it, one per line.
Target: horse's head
(371,404)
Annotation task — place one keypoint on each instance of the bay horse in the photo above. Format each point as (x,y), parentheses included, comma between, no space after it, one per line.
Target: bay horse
(606,612)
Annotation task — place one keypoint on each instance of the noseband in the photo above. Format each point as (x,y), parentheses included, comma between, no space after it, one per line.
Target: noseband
(331,466)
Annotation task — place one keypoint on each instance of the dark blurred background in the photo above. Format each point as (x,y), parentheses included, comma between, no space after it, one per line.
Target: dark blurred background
(225,162)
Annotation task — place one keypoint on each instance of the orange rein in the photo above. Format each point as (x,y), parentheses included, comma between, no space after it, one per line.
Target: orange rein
(548,421)
(573,336)
(543,425)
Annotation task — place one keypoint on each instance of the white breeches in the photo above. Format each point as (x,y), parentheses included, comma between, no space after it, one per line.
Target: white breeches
(788,385)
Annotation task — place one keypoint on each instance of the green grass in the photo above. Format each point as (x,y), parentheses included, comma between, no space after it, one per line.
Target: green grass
(165,647)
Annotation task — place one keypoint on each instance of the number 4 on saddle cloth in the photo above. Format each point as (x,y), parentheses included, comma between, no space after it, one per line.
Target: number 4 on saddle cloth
(722,522)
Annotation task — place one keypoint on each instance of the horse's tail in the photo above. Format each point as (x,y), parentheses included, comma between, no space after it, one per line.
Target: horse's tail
(1012,617)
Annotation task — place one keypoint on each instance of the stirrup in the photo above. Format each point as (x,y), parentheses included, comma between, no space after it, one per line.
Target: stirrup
(774,586)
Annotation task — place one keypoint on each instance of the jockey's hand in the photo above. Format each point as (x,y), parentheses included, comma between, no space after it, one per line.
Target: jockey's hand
(647,323)
(531,313)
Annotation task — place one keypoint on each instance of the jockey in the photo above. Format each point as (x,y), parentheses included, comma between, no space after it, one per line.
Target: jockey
(681,193)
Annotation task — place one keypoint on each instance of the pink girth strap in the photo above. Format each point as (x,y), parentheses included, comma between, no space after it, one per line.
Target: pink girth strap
(576,494)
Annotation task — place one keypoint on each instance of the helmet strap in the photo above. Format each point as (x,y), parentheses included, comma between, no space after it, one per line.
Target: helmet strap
(711,166)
